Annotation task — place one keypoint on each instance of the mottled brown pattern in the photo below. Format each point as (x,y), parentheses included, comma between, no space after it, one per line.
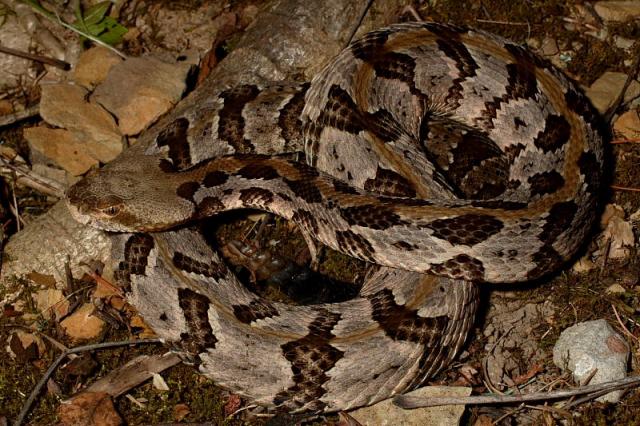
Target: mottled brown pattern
(388,182)
(555,135)
(305,190)
(355,244)
(253,171)
(254,311)
(311,357)
(215,178)
(374,217)
(213,270)
(200,336)
(289,119)
(306,220)
(461,267)
(468,230)
(208,206)
(545,182)
(136,253)
(401,323)
(513,187)
(256,197)
(174,136)
(231,125)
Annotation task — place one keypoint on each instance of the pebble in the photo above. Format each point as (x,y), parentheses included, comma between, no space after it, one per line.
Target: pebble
(593,346)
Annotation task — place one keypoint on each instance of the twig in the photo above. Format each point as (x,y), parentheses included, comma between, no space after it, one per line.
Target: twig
(491,21)
(39,58)
(624,328)
(411,402)
(628,140)
(633,74)
(32,180)
(36,390)
(360,19)
(29,112)
(624,188)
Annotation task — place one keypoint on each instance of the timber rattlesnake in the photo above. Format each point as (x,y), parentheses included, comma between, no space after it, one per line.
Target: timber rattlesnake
(429,148)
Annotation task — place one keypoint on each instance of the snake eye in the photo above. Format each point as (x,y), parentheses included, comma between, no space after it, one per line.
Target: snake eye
(111,210)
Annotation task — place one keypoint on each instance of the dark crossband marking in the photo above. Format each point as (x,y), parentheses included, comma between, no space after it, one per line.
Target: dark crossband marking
(200,336)
(311,357)
(136,253)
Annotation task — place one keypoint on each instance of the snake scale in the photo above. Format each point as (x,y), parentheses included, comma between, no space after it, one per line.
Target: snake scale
(447,155)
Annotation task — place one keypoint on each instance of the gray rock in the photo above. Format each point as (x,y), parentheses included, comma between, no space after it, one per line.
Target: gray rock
(593,346)
(386,413)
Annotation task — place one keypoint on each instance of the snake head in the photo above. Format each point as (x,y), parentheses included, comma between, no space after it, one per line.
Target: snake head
(128,196)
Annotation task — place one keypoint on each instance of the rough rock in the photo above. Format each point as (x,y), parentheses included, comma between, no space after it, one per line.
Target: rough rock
(94,65)
(61,147)
(589,346)
(386,413)
(604,91)
(139,90)
(65,105)
(618,10)
(628,125)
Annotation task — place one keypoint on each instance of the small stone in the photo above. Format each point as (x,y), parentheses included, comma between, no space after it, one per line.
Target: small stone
(623,43)
(65,105)
(82,324)
(604,91)
(60,146)
(615,289)
(618,10)
(139,90)
(593,346)
(584,264)
(94,65)
(549,47)
(386,413)
(628,125)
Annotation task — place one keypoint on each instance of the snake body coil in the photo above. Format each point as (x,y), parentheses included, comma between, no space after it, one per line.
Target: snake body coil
(429,148)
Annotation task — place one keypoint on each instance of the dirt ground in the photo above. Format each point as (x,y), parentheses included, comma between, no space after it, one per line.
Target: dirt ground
(555,303)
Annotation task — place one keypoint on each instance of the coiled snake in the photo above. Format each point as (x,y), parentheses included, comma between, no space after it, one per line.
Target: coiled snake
(429,148)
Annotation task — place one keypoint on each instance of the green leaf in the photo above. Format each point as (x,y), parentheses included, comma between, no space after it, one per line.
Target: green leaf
(96,13)
(108,30)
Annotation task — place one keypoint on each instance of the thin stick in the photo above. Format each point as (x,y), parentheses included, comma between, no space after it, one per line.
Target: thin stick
(360,19)
(624,328)
(411,402)
(624,188)
(491,21)
(628,140)
(38,58)
(633,74)
(34,393)
(32,180)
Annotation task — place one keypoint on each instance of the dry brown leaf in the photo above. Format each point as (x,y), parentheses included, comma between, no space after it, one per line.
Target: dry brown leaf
(89,409)
(82,324)
(180,411)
